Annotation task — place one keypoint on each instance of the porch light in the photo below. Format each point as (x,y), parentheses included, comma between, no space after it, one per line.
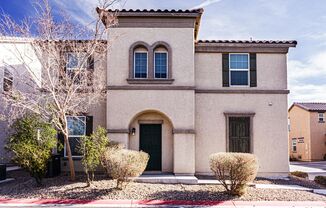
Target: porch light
(133,131)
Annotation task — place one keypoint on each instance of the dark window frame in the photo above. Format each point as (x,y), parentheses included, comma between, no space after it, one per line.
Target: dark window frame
(240,114)
(247,70)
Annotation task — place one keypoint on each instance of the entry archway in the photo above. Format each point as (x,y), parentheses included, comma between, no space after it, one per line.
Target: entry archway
(153,133)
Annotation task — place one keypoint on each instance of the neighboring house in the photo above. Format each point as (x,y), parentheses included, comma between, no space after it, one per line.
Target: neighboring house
(181,99)
(307,131)
(12,52)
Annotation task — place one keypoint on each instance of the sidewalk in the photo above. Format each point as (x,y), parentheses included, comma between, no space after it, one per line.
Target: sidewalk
(312,168)
(154,203)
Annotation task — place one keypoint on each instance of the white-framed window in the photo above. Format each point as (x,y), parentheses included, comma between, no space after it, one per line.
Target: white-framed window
(321,117)
(76,61)
(8,80)
(76,130)
(294,145)
(140,64)
(239,69)
(161,64)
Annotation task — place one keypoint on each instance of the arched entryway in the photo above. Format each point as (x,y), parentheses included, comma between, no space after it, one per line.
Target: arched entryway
(151,132)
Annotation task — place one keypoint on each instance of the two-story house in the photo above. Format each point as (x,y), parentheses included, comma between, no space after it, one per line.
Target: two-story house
(307,131)
(181,99)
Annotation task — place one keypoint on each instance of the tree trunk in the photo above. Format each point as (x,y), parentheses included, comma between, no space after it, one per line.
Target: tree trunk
(71,162)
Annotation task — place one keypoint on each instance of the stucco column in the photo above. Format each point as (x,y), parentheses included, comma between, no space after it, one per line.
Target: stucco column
(184,154)
(122,138)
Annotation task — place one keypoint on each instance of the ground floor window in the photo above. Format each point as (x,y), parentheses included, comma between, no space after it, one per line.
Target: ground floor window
(239,134)
(294,145)
(76,130)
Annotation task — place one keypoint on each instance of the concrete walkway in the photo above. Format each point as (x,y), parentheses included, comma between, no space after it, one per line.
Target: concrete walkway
(312,168)
(155,203)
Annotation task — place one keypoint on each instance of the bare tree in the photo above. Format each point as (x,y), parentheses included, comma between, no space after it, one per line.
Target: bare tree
(68,84)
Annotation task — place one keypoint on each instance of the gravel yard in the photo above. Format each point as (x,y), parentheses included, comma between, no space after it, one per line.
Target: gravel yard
(60,187)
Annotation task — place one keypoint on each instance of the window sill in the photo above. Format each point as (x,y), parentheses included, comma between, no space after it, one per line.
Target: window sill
(150,81)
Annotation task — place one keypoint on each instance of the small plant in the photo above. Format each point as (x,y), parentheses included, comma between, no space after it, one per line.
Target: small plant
(320,180)
(300,174)
(93,147)
(234,170)
(121,164)
(31,142)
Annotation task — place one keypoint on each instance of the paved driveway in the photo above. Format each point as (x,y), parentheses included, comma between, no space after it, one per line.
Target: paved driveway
(312,168)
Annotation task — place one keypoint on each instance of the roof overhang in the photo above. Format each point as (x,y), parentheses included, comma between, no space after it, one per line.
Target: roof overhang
(154,18)
(248,46)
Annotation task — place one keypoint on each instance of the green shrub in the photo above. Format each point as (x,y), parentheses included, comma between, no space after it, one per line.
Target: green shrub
(121,164)
(31,142)
(300,174)
(92,148)
(320,180)
(234,170)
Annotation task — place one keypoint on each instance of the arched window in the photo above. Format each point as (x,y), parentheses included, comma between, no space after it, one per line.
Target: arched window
(160,63)
(150,64)
(140,62)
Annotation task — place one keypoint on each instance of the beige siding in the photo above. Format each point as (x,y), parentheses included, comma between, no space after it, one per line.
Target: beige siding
(300,127)
(180,39)
(269,128)
(318,137)
(271,71)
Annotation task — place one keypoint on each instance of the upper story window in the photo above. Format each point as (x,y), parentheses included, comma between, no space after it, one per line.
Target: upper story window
(239,69)
(161,63)
(8,80)
(150,63)
(140,63)
(321,117)
(76,61)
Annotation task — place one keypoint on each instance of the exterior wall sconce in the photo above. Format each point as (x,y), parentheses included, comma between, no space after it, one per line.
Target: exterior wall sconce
(133,131)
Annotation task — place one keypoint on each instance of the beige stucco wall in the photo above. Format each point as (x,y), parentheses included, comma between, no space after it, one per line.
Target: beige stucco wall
(181,41)
(300,127)
(177,106)
(269,128)
(318,137)
(271,71)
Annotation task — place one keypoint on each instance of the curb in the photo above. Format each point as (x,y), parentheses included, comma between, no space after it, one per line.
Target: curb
(151,203)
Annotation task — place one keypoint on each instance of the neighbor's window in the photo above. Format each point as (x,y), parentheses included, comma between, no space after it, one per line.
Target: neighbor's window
(239,69)
(76,61)
(140,65)
(294,145)
(161,64)
(76,130)
(7,80)
(321,117)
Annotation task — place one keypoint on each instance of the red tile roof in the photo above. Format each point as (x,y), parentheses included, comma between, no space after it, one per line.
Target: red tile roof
(311,106)
(250,41)
(200,10)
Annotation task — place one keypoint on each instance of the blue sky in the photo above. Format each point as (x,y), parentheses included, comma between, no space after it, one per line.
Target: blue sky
(302,20)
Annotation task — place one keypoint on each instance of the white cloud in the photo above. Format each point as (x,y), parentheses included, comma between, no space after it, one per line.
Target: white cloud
(205,4)
(307,81)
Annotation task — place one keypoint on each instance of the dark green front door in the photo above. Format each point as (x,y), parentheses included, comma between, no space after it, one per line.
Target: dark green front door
(239,134)
(151,143)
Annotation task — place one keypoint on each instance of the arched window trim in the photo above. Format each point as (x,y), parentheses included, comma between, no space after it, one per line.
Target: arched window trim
(133,47)
(150,63)
(168,49)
